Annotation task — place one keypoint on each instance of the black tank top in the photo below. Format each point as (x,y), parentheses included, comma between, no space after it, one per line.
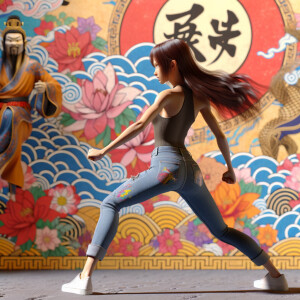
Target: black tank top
(172,131)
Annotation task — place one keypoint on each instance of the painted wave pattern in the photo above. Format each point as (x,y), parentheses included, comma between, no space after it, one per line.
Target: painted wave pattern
(56,157)
(34,8)
(264,171)
(59,158)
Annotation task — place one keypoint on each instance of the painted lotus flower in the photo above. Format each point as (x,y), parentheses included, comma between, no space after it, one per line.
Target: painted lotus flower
(169,241)
(69,48)
(4,4)
(88,25)
(46,239)
(103,100)
(293,180)
(64,199)
(129,247)
(20,217)
(232,204)
(244,174)
(267,235)
(135,155)
(44,28)
(212,171)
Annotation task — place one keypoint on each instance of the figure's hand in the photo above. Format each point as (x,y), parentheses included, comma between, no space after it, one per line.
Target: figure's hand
(40,87)
(229,177)
(95,154)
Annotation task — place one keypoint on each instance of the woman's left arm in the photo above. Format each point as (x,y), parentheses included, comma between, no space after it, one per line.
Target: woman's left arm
(135,128)
(211,121)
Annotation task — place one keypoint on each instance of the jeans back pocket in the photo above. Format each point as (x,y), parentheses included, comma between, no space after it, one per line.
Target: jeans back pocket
(168,172)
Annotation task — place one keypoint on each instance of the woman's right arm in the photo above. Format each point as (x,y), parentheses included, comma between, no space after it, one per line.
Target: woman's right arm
(212,123)
(135,128)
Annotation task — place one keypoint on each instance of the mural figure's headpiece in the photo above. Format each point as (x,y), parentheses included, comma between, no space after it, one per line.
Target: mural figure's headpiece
(14,25)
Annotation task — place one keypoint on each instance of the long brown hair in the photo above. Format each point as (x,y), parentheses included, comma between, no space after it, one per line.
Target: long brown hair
(229,94)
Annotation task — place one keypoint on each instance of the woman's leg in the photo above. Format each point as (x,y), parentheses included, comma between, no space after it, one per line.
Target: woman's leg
(205,208)
(146,185)
(202,203)
(200,200)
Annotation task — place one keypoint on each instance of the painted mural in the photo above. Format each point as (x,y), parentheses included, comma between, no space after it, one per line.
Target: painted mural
(99,53)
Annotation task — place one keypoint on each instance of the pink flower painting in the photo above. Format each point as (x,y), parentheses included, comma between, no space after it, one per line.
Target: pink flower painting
(44,28)
(129,247)
(47,239)
(244,174)
(103,100)
(4,4)
(287,165)
(64,199)
(169,241)
(69,48)
(29,178)
(135,155)
(293,180)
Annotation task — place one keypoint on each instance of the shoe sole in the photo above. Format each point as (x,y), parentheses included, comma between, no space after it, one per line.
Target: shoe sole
(76,291)
(258,286)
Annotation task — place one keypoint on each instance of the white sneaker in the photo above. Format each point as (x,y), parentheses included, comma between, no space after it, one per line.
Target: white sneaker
(78,286)
(273,284)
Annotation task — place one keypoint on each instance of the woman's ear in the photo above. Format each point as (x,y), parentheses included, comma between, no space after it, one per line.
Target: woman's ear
(173,63)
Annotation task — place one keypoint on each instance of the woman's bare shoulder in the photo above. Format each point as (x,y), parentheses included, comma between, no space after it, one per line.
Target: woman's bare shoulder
(201,103)
(174,92)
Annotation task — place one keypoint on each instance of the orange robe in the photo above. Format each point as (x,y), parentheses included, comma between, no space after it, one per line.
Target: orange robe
(14,93)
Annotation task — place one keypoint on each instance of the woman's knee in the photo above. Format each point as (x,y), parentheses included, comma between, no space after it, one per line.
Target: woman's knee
(220,233)
(109,203)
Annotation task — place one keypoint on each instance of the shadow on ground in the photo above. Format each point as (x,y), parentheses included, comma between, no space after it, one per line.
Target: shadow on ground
(290,291)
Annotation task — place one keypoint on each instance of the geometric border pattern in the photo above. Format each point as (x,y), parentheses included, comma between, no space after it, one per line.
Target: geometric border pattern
(146,263)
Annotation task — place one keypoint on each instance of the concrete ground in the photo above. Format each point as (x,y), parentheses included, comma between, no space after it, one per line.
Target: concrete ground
(145,285)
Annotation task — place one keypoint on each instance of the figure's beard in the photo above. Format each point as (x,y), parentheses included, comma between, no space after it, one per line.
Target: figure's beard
(14,51)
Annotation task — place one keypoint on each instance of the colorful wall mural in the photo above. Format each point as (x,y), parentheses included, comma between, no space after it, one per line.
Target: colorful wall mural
(99,52)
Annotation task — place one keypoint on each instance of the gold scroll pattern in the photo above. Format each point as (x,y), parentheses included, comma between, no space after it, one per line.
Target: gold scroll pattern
(285,254)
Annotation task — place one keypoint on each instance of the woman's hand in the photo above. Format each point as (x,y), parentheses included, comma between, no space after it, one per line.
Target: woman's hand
(95,154)
(229,177)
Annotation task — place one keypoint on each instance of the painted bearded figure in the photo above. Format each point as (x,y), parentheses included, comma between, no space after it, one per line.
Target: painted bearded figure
(19,76)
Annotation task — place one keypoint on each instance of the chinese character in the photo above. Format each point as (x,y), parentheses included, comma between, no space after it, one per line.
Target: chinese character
(224,35)
(187,30)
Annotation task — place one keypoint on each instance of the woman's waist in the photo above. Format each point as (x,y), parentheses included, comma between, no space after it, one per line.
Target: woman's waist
(170,152)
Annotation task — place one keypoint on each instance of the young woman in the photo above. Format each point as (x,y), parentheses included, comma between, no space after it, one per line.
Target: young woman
(172,167)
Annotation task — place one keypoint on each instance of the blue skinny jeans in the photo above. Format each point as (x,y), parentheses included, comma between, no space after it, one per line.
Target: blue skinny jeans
(172,169)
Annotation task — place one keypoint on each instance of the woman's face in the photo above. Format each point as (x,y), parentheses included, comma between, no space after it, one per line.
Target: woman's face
(162,78)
